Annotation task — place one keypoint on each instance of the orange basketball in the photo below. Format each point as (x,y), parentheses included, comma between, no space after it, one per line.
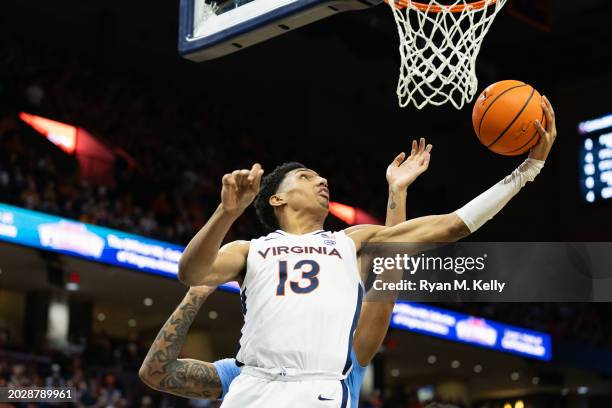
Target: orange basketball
(503,117)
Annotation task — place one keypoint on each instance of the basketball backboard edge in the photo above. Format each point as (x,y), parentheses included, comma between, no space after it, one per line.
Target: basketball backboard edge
(240,32)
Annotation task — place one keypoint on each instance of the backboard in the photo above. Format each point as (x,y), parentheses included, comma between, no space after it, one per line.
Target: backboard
(208,29)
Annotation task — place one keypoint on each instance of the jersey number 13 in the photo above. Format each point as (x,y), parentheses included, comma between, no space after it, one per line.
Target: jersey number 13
(310,277)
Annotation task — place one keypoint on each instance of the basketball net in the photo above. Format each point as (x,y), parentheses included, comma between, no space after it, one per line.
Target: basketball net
(439,44)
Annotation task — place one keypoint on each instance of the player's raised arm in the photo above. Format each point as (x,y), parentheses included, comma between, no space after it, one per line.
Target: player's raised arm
(203,262)
(454,226)
(164,371)
(376,315)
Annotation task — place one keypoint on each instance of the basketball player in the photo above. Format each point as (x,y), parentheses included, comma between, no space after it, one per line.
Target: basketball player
(301,290)
(163,371)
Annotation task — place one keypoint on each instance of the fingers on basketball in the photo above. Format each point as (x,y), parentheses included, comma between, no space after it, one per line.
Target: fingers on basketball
(550,116)
(540,128)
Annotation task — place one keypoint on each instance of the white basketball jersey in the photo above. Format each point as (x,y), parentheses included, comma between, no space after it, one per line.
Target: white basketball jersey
(301,299)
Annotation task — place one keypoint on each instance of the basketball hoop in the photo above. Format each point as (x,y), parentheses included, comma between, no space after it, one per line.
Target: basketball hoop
(439,44)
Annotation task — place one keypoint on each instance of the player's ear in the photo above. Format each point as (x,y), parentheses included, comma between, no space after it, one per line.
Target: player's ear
(277,200)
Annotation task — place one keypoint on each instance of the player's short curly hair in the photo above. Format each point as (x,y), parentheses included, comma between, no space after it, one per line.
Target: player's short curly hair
(269,187)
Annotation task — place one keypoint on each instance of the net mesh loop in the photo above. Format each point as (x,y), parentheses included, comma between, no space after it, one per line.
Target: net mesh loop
(439,45)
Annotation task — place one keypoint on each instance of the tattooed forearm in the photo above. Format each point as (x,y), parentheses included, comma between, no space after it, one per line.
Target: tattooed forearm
(396,211)
(163,370)
(392,203)
(192,378)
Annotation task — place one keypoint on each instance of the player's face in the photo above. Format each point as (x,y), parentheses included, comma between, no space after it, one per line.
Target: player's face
(304,188)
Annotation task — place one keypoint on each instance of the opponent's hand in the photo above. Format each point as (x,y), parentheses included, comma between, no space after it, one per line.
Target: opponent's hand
(402,173)
(240,188)
(547,136)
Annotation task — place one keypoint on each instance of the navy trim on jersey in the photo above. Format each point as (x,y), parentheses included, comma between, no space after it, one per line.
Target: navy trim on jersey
(344,394)
(243,307)
(349,363)
(243,299)
(319,232)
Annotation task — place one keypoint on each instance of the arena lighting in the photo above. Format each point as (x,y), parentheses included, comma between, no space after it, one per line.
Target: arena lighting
(72,287)
(519,404)
(60,134)
(345,212)
(595,155)
(74,279)
(351,215)
(590,126)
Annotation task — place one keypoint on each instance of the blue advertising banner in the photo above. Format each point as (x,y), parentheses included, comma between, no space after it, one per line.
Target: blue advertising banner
(91,242)
(44,231)
(458,327)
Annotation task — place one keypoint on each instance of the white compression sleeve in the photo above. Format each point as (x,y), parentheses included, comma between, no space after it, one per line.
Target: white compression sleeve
(484,207)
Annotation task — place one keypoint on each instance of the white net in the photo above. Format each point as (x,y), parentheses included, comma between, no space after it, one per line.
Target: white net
(439,44)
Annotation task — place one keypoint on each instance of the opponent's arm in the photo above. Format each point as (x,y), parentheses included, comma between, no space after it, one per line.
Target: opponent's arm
(376,315)
(454,226)
(202,262)
(164,371)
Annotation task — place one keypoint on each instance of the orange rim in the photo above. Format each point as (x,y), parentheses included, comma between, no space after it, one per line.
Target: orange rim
(458,8)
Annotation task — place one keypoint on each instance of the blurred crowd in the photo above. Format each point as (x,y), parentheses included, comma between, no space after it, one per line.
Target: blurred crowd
(181,143)
(104,374)
(181,146)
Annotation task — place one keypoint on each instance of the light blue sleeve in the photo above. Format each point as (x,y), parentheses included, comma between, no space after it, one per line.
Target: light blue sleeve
(355,379)
(227,371)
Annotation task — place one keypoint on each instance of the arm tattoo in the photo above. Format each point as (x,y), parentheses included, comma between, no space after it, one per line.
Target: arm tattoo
(392,203)
(184,377)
